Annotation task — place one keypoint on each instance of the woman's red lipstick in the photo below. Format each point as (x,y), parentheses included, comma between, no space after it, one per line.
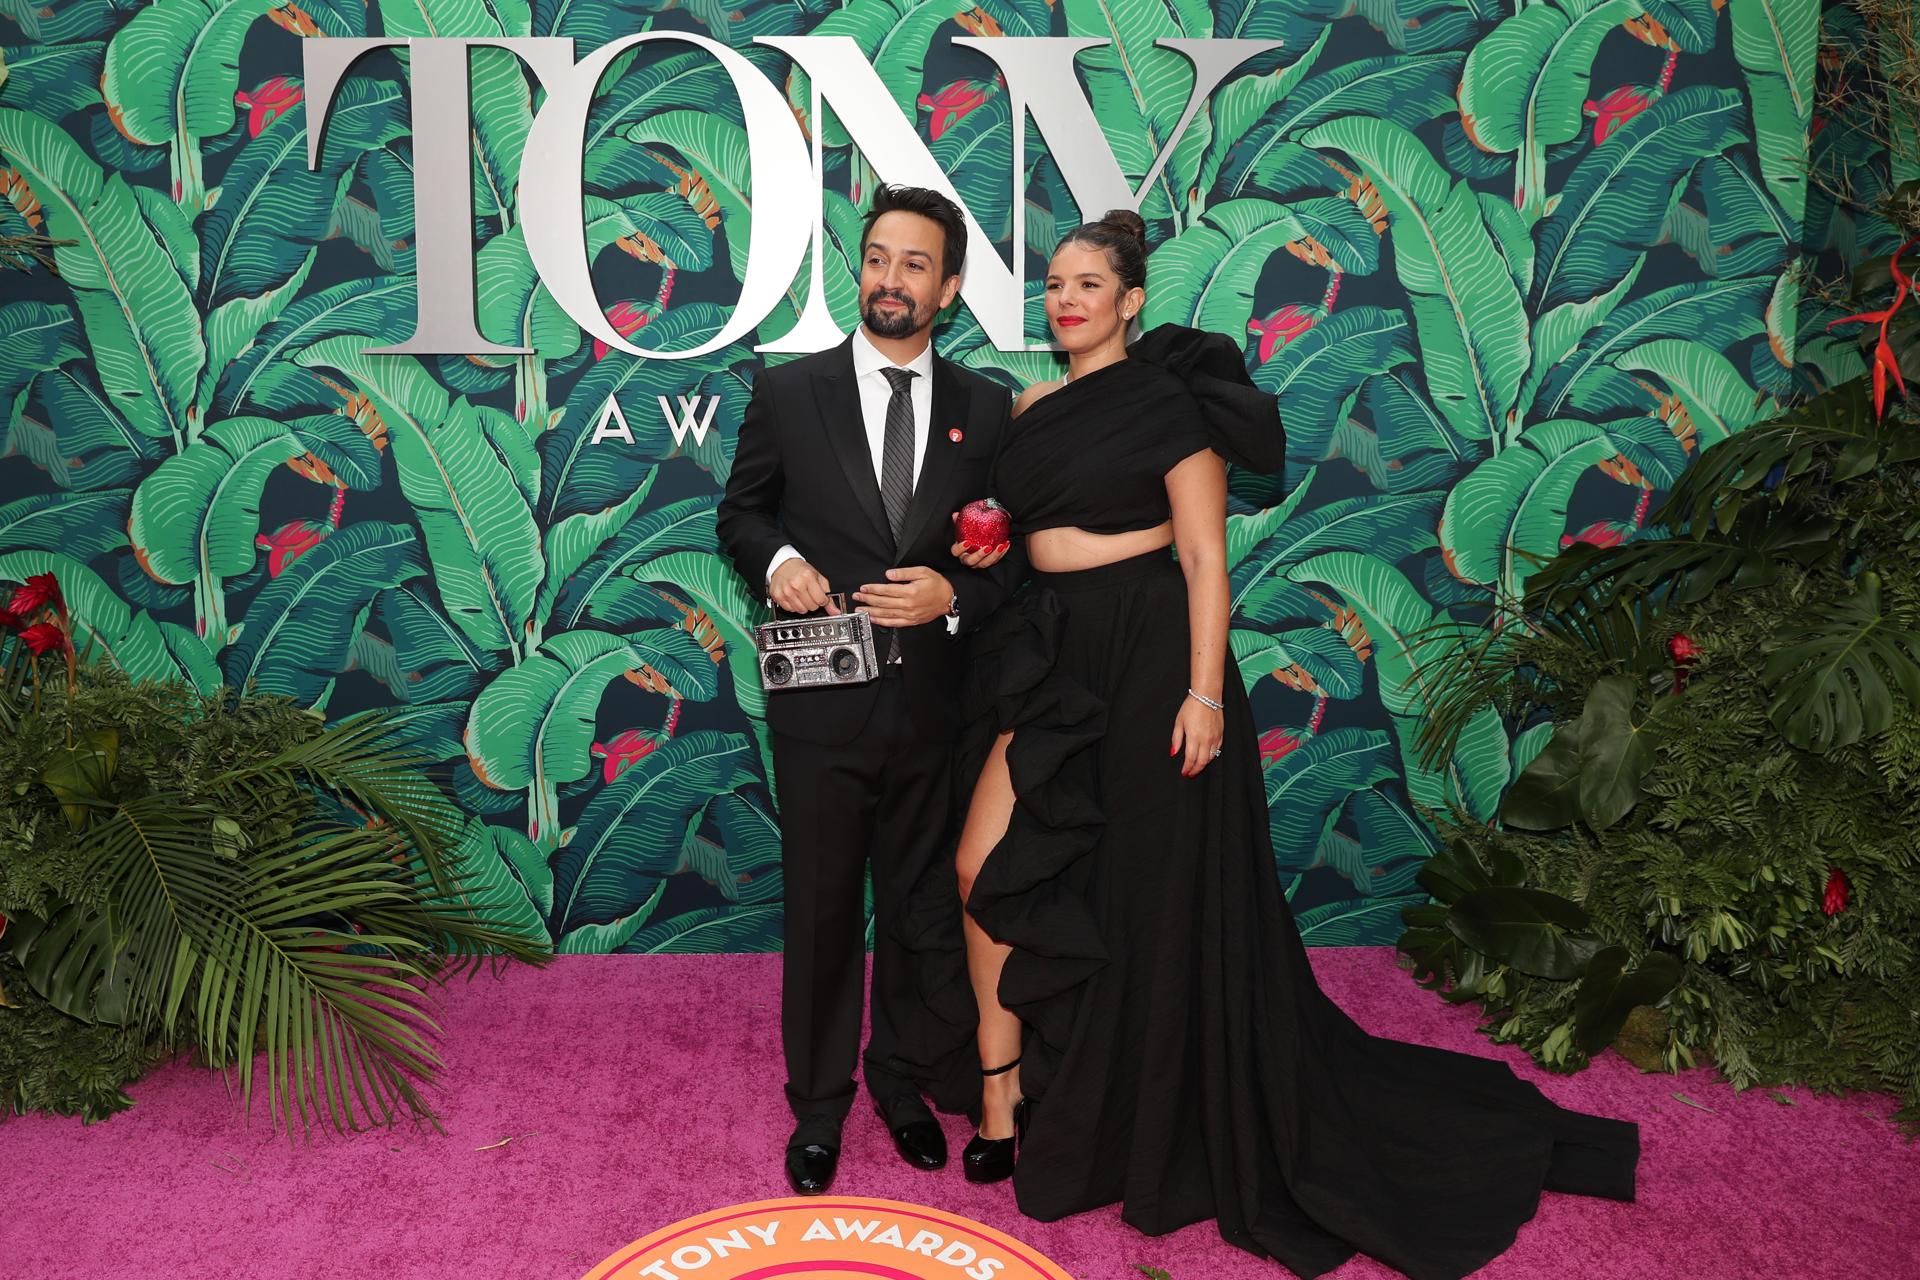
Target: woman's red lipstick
(1067,320)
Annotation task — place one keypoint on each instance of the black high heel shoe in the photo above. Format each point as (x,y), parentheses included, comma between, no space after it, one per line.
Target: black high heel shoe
(992,1159)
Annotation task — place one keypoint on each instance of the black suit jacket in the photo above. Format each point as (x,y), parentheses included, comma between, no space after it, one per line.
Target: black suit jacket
(803,474)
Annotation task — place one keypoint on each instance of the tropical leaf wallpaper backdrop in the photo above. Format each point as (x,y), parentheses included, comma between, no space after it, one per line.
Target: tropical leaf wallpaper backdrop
(1507,269)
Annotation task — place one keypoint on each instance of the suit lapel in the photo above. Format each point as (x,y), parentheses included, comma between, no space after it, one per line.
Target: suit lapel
(838,397)
(950,397)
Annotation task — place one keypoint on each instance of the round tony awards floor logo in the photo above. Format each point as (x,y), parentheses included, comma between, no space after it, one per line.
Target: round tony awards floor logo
(827,1238)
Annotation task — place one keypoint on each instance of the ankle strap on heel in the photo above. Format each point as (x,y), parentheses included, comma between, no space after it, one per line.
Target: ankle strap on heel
(994,1071)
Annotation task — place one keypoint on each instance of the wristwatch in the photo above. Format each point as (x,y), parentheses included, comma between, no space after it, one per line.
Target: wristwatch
(953,606)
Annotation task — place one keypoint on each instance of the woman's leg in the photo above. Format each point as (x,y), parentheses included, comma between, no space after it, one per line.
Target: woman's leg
(999,1037)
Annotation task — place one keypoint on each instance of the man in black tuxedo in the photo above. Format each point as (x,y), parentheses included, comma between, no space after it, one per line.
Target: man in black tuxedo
(851,463)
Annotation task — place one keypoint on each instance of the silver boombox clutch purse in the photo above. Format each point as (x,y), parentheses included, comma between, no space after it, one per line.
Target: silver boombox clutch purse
(805,652)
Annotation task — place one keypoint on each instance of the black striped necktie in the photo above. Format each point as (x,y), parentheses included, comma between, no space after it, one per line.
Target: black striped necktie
(896,452)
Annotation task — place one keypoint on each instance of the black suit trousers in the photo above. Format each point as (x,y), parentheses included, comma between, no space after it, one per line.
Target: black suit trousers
(882,798)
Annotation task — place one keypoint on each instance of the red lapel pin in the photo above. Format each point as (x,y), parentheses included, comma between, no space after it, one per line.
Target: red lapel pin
(956,435)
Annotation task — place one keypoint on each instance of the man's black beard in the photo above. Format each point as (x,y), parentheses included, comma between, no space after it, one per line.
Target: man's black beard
(891,324)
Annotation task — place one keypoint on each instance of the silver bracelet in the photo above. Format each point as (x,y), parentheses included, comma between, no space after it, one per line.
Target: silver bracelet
(1205,701)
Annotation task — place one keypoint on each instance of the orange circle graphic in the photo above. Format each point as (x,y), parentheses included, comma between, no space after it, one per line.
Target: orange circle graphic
(837,1238)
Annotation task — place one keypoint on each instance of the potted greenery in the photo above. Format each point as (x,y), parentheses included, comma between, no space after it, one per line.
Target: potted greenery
(1712,846)
(222,874)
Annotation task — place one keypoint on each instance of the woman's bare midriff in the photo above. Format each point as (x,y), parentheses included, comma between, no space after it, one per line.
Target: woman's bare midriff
(1068,549)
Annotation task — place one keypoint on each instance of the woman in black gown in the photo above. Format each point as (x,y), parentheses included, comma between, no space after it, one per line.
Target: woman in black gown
(1132,953)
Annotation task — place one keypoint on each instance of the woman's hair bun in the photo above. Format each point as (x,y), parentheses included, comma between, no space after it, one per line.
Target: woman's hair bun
(1127,222)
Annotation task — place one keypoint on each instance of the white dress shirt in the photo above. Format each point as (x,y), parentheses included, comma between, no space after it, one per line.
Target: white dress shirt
(875,394)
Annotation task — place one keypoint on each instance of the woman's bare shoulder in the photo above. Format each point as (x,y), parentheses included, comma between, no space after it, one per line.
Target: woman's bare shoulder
(1026,399)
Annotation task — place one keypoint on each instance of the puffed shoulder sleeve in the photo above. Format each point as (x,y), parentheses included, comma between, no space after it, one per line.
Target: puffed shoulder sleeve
(1238,420)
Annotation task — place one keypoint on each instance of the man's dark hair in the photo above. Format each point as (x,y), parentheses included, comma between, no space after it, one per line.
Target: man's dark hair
(928,204)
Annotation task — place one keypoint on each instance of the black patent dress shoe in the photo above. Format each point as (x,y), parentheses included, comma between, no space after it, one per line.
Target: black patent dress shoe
(810,1168)
(920,1140)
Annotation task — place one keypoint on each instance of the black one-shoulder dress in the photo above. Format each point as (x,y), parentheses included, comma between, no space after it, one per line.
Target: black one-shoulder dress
(1181,1058)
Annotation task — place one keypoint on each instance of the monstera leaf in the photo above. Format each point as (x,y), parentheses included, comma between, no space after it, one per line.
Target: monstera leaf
(300,629)
(1835,679)
(140,321)
(1609,991)
(1593,766)
(630,835)
(68,958)
(170,76)
(1536,932)
(1525,82)
(1467,311)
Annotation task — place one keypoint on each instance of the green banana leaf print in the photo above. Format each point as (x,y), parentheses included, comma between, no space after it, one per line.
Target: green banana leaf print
(1507,268)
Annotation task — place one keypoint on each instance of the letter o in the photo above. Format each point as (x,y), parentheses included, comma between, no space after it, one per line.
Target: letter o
(553,214)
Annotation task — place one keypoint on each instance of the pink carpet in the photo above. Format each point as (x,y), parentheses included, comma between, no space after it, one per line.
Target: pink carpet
(639,1090)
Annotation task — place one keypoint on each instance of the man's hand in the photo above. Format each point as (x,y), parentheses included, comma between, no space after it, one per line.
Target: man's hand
(798,587)
(908,598)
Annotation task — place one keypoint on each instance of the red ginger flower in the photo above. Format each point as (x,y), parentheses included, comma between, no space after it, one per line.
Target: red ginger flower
(1282,327)
(274,98)
(1275,744)
(1884,361)
(625,750)
(41,591)
(952,104)
(1837,889)
(627,319)
(1616,108)
(1601,533)
(43,636)
(288,543)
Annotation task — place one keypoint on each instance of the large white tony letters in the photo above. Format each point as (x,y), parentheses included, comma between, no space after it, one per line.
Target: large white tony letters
(1039,75)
